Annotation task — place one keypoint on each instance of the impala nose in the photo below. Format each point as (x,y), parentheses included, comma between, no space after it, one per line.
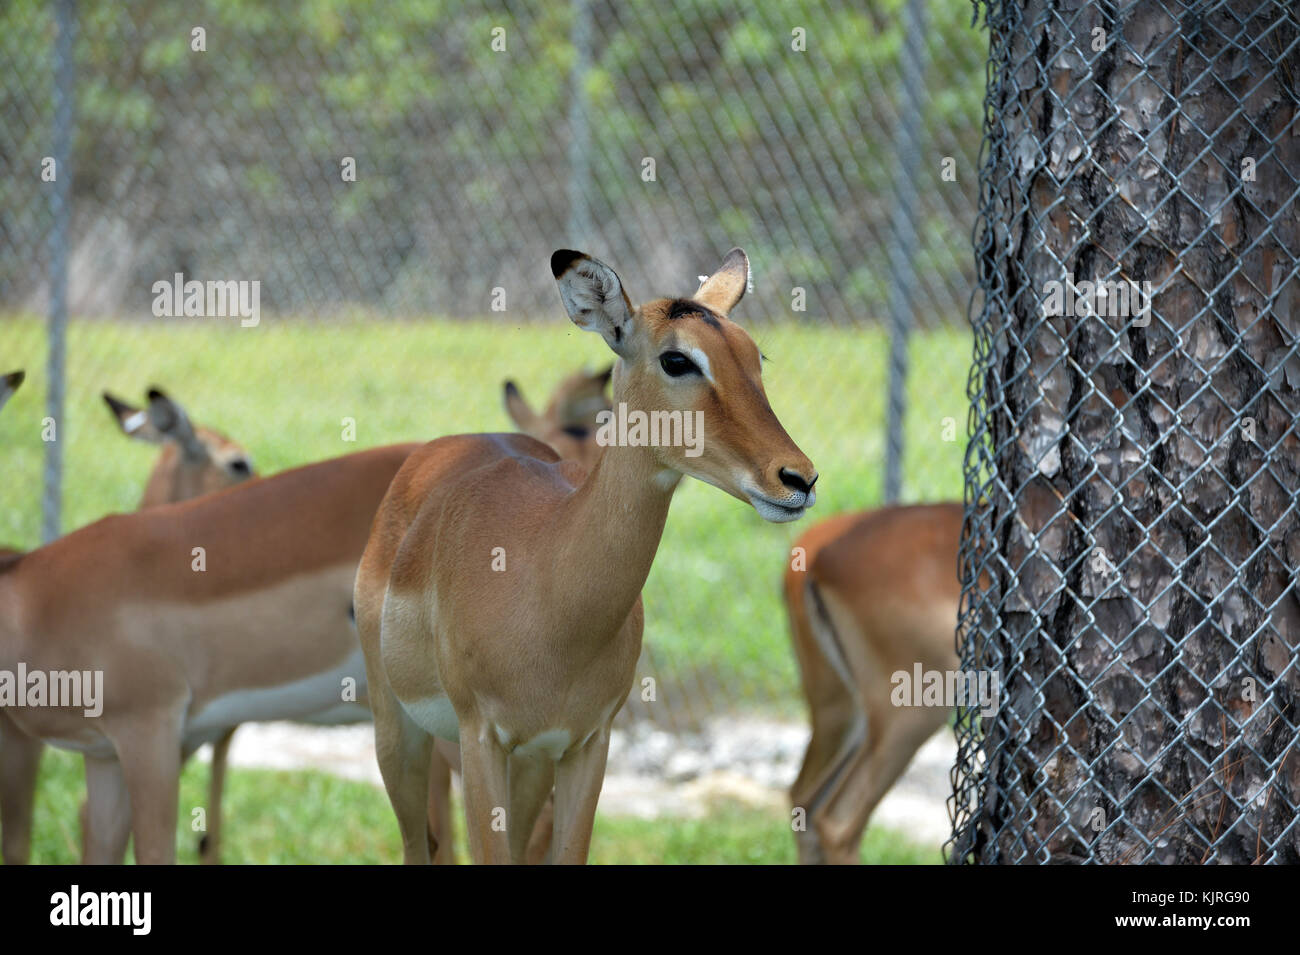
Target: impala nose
(796,481)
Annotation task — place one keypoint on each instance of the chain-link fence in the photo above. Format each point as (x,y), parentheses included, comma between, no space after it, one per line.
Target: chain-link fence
(1132,531)
(396,176)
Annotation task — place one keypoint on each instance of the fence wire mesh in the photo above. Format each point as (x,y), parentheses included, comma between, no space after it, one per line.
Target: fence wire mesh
(1132,533)
(396,177)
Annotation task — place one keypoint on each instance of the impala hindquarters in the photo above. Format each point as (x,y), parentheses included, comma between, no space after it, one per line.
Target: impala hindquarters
(879,596)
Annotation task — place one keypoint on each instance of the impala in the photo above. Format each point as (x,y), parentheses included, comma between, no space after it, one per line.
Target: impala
(499,597)
(322,513)
(880,595)
(202,615)
(568,425)
(193,461)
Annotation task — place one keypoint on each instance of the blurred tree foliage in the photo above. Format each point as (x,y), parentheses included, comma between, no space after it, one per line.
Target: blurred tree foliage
(227,162)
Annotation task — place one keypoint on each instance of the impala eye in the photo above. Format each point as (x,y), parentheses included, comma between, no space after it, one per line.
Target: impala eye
(675,364)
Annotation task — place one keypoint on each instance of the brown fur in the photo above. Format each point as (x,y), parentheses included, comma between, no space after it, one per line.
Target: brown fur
(271,608)
(203,465)
(575,404)
(545,650)
(193,461)
(881,588)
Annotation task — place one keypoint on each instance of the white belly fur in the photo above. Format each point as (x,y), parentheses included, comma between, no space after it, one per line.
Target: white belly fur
(308,699)
(435,715)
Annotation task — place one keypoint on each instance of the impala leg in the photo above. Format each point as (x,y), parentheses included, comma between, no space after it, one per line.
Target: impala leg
(448,754)
(404,749)
(484,773)
(210,842)
(20,763)
(897,733)
(106,813)
(578,778)
(151,765)
(539,845)
(838,731)
(530,781)
(441,845)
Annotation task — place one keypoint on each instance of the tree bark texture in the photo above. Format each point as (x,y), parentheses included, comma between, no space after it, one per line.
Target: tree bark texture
(1134,478)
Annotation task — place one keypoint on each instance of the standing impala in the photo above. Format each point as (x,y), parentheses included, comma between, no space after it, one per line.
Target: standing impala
(880,595)
(568,424)
(229,608)
(193,461)
(499,597)
(341,496)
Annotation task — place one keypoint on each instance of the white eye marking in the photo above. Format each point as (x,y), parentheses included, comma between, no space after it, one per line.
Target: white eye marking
(701,360)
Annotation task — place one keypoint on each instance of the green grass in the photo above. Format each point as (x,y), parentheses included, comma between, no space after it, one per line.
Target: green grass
(315,818)
(714,622)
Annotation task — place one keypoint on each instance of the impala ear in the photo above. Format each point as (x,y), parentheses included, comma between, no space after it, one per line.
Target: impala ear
(725,287)
(594,298)
(133,422)
(521,413)
(9,384)
(174,424)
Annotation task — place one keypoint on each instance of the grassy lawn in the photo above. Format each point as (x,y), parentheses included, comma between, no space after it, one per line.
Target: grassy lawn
(715,628)
(311,817)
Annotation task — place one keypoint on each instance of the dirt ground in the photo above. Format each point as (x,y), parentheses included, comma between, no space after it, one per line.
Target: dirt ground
(652,773)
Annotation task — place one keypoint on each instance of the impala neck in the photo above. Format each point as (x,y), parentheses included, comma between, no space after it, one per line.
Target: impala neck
(609,533)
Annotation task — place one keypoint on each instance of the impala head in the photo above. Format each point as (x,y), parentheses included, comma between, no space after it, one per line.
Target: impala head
(568,424)
(9,384)
(683,355)
(194,461)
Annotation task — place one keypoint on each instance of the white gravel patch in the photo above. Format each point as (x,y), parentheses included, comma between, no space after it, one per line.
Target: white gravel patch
(652,773)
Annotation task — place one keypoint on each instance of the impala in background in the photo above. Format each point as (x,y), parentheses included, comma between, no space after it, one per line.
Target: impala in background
(879,596)
(193,461)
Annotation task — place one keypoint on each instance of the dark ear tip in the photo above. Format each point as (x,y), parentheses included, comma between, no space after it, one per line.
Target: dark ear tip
(562,260)
(156,394)
(512,390)
(15,378)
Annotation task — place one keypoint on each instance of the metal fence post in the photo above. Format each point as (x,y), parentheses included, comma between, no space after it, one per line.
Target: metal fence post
(60,210)
(902,251)
(579,166)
